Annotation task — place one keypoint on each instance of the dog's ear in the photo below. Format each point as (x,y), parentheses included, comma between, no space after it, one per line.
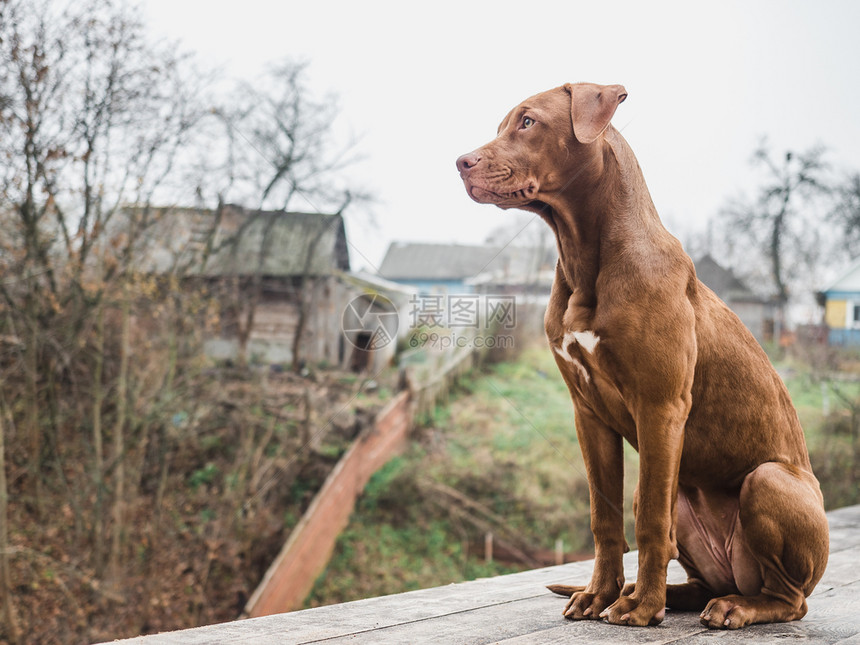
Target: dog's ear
(592,107)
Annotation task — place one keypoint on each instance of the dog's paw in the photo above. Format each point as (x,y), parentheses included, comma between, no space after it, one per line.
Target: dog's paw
(630,611)
(586,606)
(727,612)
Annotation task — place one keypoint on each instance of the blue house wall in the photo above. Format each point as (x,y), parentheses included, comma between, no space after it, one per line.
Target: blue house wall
(843,337)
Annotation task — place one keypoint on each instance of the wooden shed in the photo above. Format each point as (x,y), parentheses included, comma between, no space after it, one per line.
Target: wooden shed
(276,275)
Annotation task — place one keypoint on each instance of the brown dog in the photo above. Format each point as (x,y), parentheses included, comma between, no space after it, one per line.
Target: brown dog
(651,355)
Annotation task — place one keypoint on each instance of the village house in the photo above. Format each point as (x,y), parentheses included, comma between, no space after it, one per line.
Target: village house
(283,283)
(841,302)
(754,311)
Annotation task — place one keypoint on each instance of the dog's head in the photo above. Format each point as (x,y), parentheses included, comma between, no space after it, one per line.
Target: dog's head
(541,147)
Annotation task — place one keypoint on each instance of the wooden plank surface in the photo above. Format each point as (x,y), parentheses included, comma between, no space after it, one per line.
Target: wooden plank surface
(516,609)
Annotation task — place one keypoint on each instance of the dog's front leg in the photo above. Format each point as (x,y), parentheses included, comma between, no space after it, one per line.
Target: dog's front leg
(602,451)
(660,434)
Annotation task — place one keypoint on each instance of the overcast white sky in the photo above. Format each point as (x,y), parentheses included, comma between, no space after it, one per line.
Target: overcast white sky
(423,84)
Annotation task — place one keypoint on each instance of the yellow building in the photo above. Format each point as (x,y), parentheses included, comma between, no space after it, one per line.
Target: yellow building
(841,302)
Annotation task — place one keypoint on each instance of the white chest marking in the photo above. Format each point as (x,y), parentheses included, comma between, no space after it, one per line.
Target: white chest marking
(562,350)
(587,339)
(582,370)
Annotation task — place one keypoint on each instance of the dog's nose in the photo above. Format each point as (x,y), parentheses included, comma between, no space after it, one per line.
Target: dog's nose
(468,161)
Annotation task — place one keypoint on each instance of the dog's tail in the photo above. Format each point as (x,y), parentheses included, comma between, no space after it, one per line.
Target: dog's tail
(565,590)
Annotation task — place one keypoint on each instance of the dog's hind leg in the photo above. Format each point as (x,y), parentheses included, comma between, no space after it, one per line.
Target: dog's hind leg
(783,534)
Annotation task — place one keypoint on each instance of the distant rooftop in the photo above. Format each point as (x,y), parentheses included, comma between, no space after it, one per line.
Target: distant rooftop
(849,281)
(419,261)
(723,282)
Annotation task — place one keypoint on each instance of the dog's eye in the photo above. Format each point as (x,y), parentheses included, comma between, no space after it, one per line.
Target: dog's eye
(528,122)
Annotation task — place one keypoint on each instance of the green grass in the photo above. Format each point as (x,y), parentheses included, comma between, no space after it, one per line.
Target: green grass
(825,414)
(396,542)
(811,399)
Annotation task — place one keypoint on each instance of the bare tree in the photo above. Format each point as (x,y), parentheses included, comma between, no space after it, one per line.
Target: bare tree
(10,627)
(281,154)
(846,215)
(97,125)
(777,223)
(281,149)
(93,117)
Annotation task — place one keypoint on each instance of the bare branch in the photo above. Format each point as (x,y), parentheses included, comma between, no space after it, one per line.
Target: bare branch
(776,223)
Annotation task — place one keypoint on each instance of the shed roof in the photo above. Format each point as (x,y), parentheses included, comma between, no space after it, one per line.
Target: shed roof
(277,243)
(246,242)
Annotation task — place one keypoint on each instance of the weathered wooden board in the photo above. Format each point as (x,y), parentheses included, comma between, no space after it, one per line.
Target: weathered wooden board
(516,609)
